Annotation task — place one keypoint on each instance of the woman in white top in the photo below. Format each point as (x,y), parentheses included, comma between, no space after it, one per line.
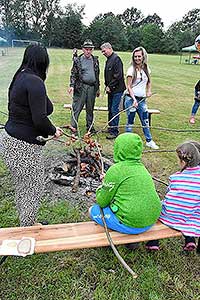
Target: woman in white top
(138,88)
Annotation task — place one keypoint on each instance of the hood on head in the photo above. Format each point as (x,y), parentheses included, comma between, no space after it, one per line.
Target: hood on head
(128,146)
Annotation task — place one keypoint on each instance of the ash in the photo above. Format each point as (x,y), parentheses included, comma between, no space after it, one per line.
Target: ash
(59,180)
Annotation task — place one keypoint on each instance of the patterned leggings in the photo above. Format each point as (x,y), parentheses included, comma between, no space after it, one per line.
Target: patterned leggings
(25,162)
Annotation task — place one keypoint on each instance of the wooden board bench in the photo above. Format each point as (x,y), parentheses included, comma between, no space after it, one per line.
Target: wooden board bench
(104,108)
(80,235)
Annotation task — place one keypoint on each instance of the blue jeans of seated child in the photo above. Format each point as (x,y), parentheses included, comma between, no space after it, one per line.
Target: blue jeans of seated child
(112,221)
(142,113)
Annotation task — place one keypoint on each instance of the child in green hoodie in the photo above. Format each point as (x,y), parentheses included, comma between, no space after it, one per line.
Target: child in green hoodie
(127,195)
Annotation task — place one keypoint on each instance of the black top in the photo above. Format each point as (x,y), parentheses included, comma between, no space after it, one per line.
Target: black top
(28,108)
(197,86)
(114,74)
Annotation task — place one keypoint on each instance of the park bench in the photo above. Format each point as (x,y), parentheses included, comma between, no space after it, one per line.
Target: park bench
(70,236)
(104,108)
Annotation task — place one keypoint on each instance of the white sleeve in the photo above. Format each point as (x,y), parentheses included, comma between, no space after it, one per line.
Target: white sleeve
(129,72)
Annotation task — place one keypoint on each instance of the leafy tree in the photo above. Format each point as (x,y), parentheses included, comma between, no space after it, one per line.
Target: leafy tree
(41,15)
(67,28)
(134,36)
(131,17)
(152,36)
(181,38)
(14,17)
(153,19)
(108,29)
(191,21)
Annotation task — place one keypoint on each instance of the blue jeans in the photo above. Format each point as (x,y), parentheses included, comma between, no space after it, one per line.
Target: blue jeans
(113,109)
(142,113)
(195,107)
(196,103)
(112,221)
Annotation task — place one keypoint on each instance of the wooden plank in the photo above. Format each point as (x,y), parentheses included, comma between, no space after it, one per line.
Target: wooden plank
(80,235)
(100,108)
(105,108)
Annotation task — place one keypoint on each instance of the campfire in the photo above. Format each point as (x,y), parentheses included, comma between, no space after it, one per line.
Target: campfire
(83,165)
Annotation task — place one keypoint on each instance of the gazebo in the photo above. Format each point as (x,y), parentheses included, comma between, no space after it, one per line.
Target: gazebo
(190,59)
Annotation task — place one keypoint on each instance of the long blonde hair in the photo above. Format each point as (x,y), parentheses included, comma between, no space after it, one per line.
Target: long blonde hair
(144,63)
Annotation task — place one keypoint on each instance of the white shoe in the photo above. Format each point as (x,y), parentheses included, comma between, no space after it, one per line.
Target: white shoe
(152,145)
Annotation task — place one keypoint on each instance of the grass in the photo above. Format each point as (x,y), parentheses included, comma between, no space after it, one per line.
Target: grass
(95,274)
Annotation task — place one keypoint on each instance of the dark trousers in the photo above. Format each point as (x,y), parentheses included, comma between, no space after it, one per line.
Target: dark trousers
(86,96)
(113,109)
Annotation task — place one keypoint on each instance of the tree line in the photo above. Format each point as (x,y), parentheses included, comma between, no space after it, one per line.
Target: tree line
(46,21)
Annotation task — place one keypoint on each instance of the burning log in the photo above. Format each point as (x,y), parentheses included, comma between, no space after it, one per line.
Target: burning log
(85,166)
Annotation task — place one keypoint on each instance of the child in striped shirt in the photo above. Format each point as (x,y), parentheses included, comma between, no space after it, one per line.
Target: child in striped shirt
(181,206)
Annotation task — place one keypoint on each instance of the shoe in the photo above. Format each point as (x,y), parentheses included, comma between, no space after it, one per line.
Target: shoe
(198,246)
(41,223)
(111,136)
(192,120)
(152,145)
(73,129)
(132,246)
(152,245)
(191,246)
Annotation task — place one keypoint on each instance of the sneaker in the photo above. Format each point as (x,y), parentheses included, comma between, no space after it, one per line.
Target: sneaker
(198,246)
(152,145)
(132,246)
(189,246)
(192,120)
(111,136)
(152,245)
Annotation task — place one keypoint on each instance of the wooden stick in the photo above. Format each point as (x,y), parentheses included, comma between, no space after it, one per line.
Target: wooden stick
(78,172)
(114,248)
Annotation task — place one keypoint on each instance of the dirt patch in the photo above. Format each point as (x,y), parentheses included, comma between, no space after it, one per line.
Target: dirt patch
(54,192)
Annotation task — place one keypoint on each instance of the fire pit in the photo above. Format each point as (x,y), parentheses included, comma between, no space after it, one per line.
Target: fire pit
(83,166)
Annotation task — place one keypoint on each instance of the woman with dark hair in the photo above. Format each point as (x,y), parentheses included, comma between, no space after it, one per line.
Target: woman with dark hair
(138,88)
(29,107)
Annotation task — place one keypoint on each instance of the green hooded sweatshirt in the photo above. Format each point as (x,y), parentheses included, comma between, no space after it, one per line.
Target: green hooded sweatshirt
(128,187)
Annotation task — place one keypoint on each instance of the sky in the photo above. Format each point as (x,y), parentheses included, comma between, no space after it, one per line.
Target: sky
(169,11)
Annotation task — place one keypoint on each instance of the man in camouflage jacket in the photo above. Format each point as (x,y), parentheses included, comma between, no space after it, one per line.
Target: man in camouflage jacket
(84,85)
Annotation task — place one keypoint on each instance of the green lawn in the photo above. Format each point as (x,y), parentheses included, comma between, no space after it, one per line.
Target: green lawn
(96,274)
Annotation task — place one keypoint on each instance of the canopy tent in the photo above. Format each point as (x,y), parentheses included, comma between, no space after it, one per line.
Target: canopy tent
(190,49)
(3,42)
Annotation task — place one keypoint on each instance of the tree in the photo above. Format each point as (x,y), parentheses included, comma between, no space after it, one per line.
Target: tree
(68,28)
(134,36)
(131,17)
(108,29)
(153,19)
(152,36)
(191,21)
(41,15)
(14,17)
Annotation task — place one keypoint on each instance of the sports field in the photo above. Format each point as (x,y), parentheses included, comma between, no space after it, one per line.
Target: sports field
(96,274)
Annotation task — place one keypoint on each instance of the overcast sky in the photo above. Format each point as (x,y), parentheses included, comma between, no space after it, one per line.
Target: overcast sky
(168,10)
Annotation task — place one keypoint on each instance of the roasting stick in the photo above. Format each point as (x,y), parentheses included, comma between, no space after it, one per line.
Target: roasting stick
(122,261)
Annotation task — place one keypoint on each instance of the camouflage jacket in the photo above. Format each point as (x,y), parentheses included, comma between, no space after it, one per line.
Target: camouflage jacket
(76,73)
